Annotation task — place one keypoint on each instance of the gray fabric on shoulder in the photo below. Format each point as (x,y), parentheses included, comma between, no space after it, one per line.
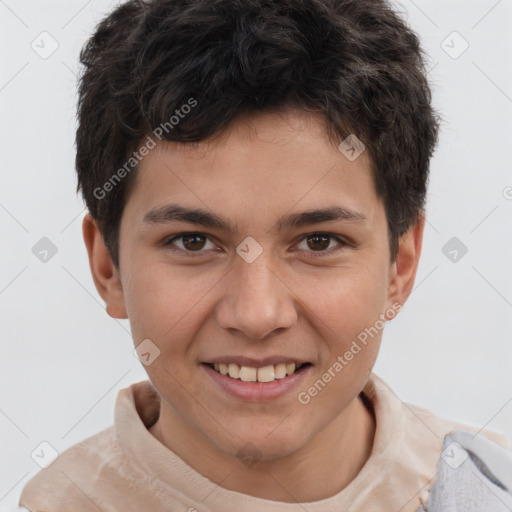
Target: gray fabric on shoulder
(474,474)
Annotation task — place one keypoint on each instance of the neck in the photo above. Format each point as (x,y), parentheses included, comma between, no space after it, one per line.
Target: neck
(341,449)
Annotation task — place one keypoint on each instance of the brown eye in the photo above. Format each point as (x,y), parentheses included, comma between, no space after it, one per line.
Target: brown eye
(190,244)
(193,242)
(318,242)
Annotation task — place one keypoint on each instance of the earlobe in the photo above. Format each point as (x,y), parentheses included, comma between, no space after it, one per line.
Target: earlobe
(104,273)
(403,270)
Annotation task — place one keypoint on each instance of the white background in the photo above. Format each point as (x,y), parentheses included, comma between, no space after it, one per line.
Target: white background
(63,358)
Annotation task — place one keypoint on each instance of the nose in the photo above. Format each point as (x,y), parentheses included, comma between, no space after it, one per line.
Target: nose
(257,302)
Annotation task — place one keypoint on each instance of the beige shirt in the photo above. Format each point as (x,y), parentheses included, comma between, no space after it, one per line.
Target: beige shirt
(124,468)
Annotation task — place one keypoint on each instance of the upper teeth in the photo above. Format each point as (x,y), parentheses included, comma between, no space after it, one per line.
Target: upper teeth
(250,374)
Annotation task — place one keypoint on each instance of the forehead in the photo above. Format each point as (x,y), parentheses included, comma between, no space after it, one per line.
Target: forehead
(262,163)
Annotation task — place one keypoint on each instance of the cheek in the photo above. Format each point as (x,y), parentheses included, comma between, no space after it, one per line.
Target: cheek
(351,323)
(347,299)
(165,303)
(350,312)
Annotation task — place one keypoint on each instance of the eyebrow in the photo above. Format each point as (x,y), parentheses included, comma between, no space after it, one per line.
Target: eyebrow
(177,213)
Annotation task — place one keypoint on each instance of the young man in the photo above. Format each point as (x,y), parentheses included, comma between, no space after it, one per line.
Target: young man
(255,173)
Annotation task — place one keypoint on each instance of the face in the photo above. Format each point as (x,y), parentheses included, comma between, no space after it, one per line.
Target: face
(287,262)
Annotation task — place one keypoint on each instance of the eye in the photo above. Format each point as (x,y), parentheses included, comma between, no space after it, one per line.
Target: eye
(190,243)
(320,242)
(196,244)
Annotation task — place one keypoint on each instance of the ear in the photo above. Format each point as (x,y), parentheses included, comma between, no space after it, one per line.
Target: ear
(403,269)
(104,273)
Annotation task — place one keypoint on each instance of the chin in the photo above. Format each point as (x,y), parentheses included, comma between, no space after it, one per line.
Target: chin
(263,444)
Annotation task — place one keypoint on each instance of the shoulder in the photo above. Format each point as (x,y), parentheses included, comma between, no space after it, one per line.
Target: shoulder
(474,473)
(60,482)
(442,427)
(471,468)
(104,468)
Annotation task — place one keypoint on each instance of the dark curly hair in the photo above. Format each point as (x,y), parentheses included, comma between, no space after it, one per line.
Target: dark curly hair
(354,61)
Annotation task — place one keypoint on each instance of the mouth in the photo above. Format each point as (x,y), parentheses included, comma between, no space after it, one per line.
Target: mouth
(261,374)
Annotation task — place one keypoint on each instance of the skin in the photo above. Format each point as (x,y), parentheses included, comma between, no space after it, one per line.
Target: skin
(286,302)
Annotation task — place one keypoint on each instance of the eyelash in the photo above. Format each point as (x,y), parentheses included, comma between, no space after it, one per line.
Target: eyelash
(314,254)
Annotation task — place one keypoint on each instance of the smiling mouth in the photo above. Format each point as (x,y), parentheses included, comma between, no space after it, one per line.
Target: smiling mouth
(251,374)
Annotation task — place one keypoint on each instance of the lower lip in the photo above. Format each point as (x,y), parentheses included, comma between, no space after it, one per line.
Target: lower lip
(258,391)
